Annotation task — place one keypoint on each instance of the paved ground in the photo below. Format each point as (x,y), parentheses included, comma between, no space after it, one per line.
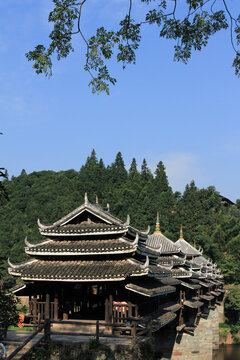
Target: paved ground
(16,338)
(20,336)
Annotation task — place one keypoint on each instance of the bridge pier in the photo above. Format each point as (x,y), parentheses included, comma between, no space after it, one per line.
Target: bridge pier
(200,345)
(215,328)
(191,346)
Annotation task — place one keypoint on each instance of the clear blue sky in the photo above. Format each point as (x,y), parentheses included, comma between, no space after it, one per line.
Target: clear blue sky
(186,116)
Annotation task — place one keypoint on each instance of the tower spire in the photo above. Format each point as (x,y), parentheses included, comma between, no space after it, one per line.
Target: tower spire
(157,229)
(181,233)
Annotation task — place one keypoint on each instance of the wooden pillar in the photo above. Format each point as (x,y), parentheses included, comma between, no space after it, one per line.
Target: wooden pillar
(106,310)
(35,312)
(134,333)
(110,308)
(47,307)
(129,309)
(136,311)
(47,331)
(149,328)
(56,306)
(97,330)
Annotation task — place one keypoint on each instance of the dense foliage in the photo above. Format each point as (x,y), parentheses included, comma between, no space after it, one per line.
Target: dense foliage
(8,312)
(49,195)
(188,23)
(232,306)
(232,313)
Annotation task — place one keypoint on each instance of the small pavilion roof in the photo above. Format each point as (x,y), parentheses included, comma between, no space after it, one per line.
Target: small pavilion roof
(180,273)
(159,241)
(200,260)
(158,271)
(169,260)
(192,264)
(186,248)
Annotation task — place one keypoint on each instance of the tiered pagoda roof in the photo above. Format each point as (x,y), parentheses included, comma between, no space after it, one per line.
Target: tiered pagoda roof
(91,245)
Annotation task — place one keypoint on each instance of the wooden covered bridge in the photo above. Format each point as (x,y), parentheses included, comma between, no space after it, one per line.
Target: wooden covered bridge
(91,267)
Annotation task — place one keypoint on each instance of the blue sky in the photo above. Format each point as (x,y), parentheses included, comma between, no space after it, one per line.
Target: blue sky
(186,116)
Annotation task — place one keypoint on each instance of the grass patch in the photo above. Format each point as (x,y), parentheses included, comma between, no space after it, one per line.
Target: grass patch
(16,328)
(224,326)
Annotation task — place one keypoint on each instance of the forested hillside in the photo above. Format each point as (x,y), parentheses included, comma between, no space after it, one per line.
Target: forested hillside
(49,195)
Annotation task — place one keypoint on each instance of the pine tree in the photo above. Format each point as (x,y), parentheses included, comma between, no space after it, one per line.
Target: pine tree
(146,174)
(118,173)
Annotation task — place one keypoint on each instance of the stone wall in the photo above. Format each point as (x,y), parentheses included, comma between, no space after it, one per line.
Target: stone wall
(215,328)
(190,346)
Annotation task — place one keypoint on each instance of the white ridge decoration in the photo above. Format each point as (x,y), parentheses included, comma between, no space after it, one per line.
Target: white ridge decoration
(28,243)
(146,265)
(20,265)
(160,248)
(147,231)
(135,243)
(41,226)
(127,223)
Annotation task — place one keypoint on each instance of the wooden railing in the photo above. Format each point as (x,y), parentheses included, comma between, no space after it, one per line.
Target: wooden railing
(45,337)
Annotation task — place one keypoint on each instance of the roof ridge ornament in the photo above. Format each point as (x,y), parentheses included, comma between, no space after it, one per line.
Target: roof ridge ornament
(160,248)
(28,243)
(13,266)
(41,226)
(85,199)
(96,199)
(200,250)
(181,233)
(147,231)
(157,228)
(146,264)
(127,223)
(108,207)
(135,243)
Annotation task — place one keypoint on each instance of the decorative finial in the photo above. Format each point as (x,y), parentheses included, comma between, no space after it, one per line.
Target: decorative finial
(108,207)
(181,233)
(96,199)
(85,199)
(195,244)
(157,229)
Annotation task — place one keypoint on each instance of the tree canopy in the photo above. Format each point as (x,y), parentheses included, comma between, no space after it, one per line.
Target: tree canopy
(49,195)
(189,23)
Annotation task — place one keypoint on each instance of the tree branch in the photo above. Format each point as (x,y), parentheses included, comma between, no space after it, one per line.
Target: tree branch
(231,26)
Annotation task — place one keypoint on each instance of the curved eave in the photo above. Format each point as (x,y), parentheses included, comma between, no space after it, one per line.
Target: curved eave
(81,233)
(132,231)
(147,253)
(30,251)
(181,274)
(14,273)
(69,279)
